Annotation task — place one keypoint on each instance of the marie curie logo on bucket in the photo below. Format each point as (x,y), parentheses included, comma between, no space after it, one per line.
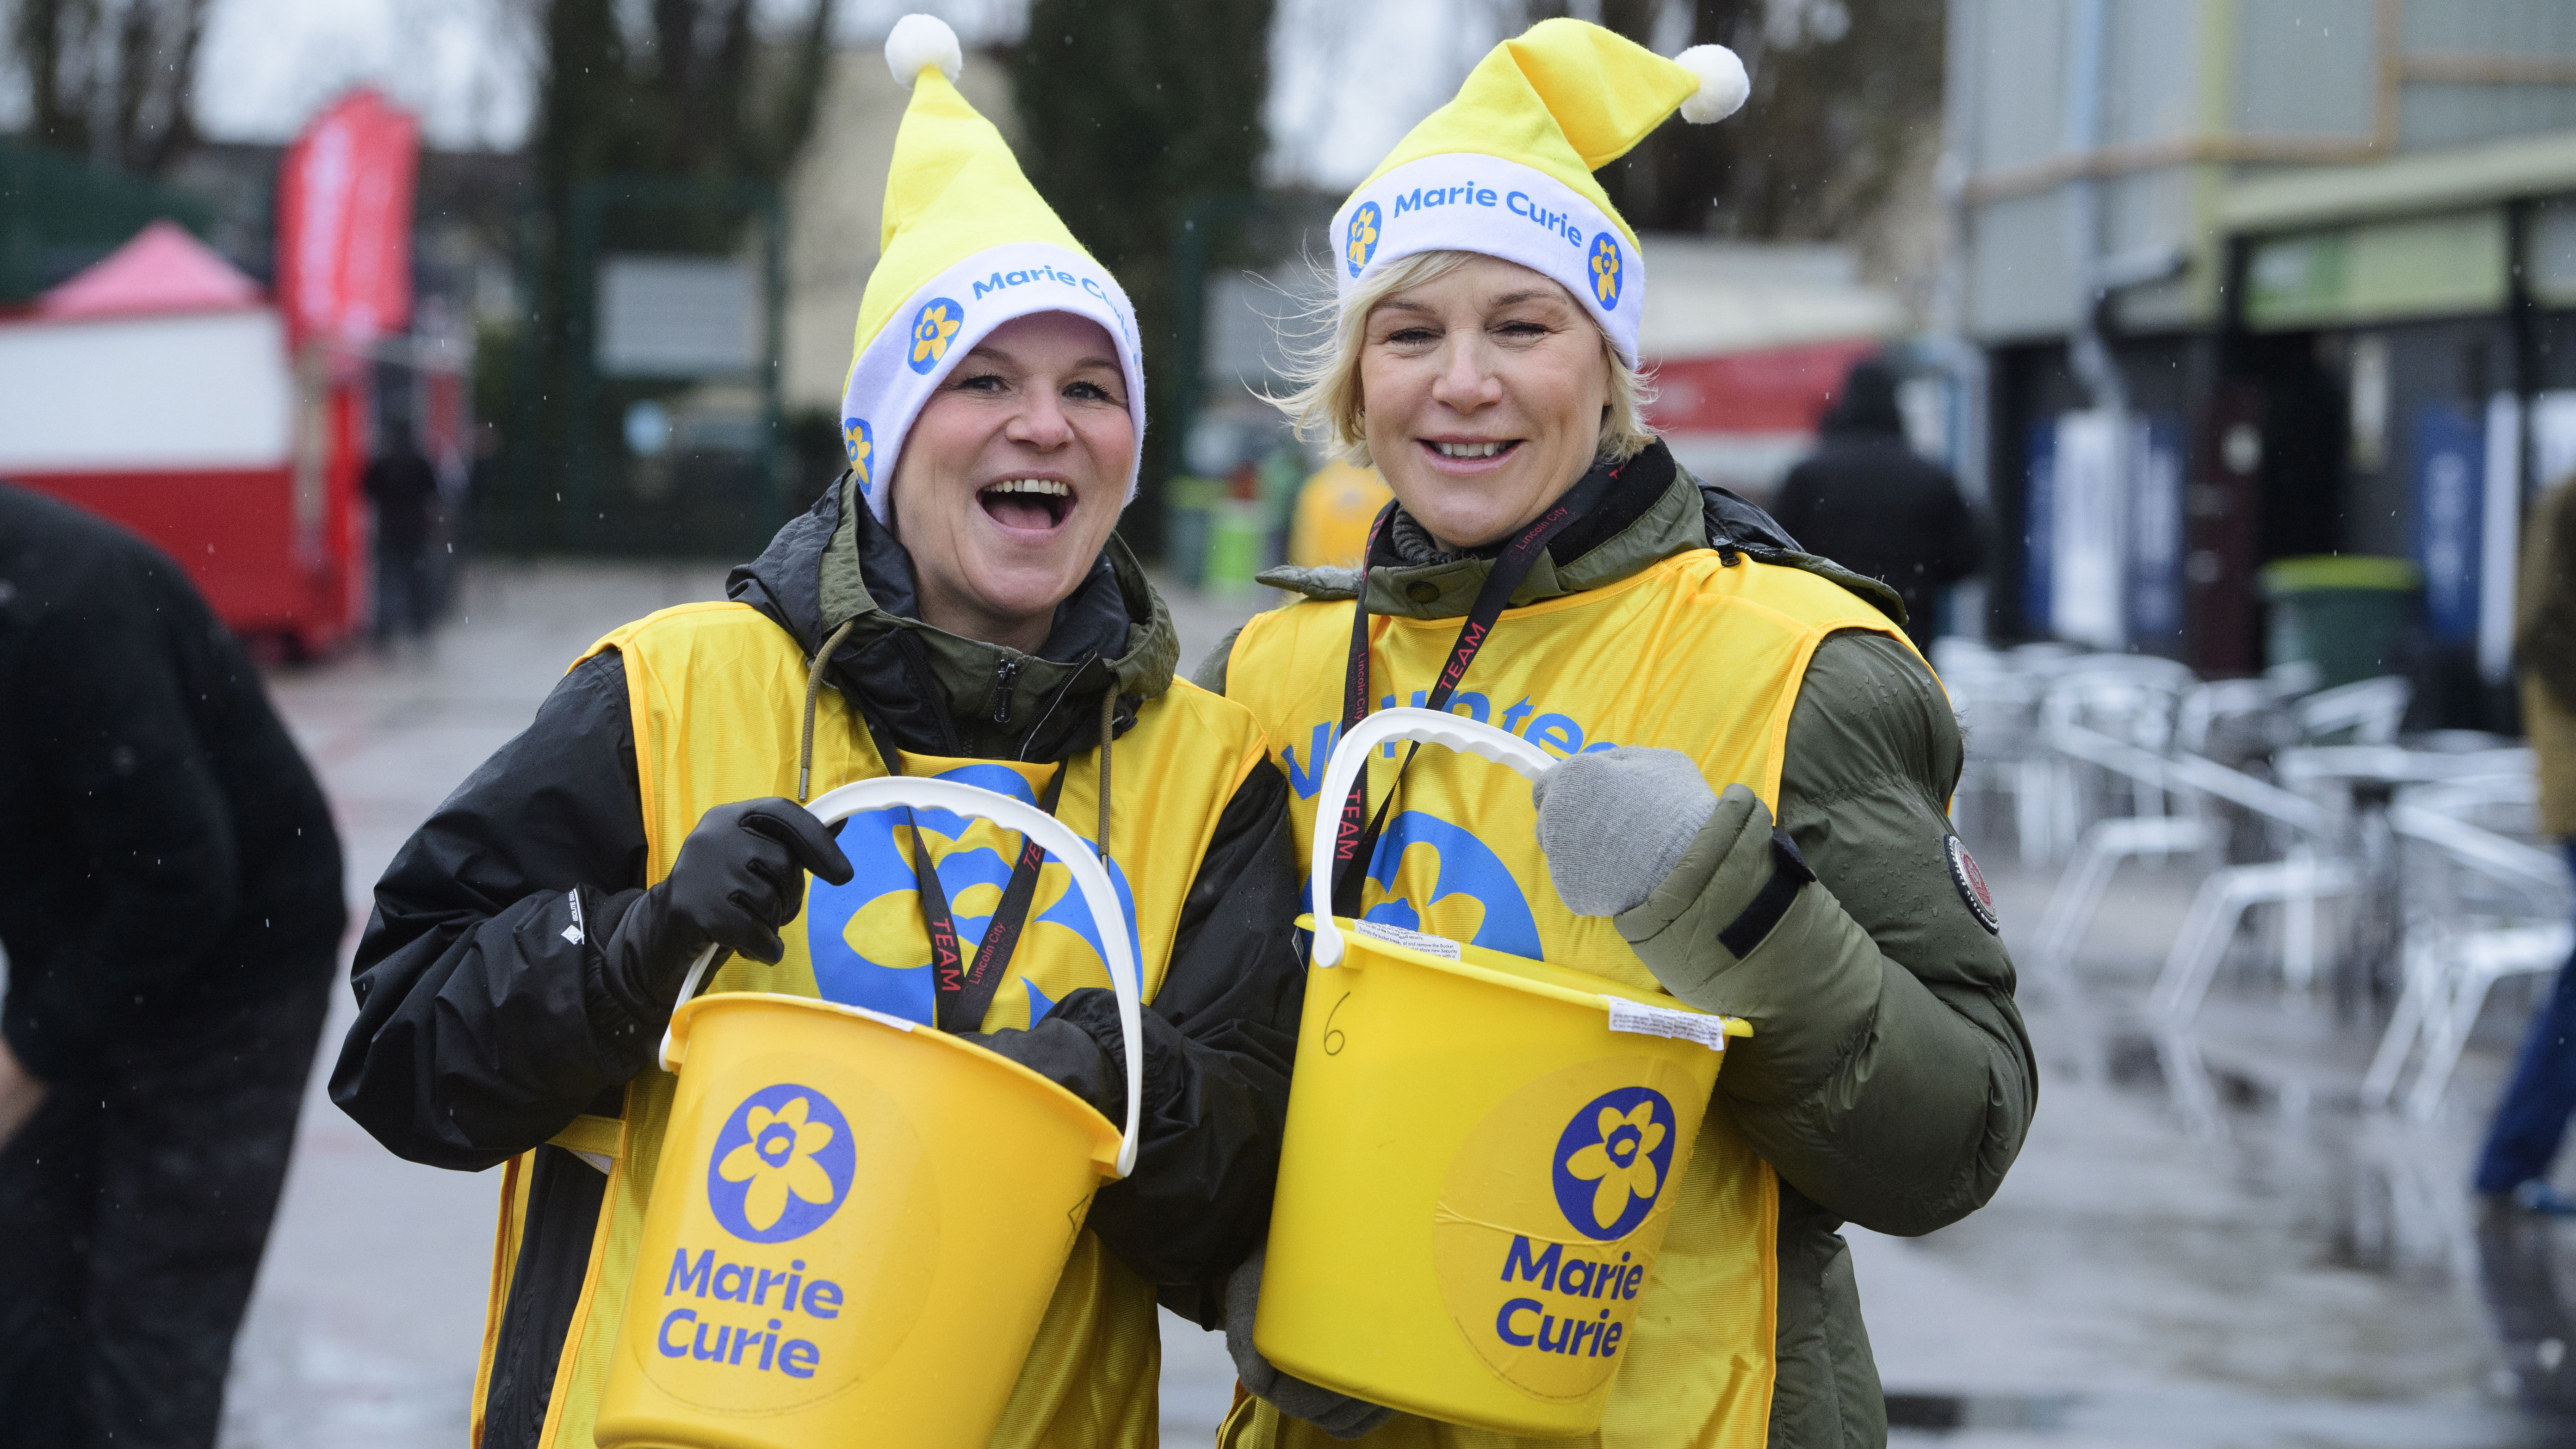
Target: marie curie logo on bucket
(774,1283)
(781,1165)
(1613,1161)
(1551,1216)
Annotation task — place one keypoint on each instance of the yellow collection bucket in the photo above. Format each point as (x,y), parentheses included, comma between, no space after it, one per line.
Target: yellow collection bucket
(857,1223)
(1479,1156)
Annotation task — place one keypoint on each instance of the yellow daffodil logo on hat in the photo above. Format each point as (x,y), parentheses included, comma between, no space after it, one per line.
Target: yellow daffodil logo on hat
(781,1165)
(1613,1160)
(932,326)
(1362,243)
(861,444)
(1605,269)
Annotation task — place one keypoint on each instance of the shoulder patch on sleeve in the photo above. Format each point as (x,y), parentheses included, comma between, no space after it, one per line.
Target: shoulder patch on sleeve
(1972,886)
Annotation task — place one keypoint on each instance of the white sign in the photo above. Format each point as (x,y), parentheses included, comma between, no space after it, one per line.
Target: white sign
(677,316)
(2498,538)
(142,394)
(2086,504)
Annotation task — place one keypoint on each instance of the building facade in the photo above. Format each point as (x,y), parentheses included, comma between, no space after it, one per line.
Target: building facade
(2266,279)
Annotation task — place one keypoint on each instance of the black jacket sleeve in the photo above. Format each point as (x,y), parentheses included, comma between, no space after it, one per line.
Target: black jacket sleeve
(1220,1037)
(149,825)
(484,1023)
(1959,544)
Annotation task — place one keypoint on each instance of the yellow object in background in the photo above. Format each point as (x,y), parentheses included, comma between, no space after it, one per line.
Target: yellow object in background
(1334,509)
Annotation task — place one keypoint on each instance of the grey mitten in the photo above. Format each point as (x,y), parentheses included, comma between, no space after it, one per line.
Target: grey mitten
(1614,823)
(1740,882)
(1339,1415)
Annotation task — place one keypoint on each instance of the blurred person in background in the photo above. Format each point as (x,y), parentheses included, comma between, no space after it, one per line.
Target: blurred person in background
(1869,502)
(2531,1117)
(404,487)
(170,909)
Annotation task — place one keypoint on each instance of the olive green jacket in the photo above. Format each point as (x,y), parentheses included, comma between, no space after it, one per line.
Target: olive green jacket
(2546,641)
(1892,1082)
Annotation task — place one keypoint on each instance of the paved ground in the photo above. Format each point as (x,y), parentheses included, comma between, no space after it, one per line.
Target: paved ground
(2271,1268)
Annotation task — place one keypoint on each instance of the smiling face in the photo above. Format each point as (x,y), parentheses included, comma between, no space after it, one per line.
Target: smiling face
(1012,477)
(1483,392)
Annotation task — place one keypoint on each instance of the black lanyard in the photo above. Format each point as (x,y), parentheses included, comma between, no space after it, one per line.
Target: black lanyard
(964,989)
(1355,836)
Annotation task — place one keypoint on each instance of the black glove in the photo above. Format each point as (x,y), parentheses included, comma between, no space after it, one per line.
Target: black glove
(1339,1415)
(739,877)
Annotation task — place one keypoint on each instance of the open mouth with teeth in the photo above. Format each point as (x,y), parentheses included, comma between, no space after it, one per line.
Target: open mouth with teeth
(1027,503)
(1472,452)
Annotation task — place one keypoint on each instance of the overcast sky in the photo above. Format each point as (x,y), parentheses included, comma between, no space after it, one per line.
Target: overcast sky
(1349,76)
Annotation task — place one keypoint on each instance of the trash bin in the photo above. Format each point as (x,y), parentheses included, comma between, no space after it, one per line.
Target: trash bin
(2344,614)
(1187,501)
(1238,530)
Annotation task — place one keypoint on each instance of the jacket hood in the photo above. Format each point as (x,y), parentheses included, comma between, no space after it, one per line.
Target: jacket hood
(942,693)
(1867,405)
(1652,510)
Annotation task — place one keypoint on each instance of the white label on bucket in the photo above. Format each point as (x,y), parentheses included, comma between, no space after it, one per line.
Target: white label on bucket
(1428,945)
(1644,1020)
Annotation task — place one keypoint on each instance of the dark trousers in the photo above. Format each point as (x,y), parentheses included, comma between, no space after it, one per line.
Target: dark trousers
(406,592)
(2531,1116)
(133,1208)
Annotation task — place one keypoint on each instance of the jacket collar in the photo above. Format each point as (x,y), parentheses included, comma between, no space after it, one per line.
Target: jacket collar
(1635,527)
(941,693)
(1650,512)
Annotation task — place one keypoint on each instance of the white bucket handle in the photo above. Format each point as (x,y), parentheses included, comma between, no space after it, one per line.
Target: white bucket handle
(1350,757)
(1056,839)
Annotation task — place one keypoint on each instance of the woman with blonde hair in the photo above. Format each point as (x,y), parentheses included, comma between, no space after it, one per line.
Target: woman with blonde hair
(1751,810)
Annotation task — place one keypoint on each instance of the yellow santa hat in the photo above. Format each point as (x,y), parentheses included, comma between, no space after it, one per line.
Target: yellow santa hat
(1505,168)
(967,245)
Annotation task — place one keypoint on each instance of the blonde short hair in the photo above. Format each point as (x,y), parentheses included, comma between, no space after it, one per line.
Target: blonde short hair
(1325,406)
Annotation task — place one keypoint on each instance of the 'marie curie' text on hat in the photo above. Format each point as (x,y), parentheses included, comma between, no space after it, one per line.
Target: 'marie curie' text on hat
(1505,168)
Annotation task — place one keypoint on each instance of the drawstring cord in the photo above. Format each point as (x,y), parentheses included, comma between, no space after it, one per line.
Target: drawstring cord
(1108,726)
(814,687)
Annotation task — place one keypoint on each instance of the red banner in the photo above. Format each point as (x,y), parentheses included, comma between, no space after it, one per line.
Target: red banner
(1775,390)
(344,194)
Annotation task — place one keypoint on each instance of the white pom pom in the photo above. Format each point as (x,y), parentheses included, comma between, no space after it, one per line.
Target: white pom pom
(918,42)
(1723,84)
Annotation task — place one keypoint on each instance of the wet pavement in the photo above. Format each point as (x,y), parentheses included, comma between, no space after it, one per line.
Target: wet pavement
(2208,1243)
(2206,1247)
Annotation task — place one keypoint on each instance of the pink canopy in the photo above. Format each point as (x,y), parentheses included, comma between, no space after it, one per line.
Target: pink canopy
(163,269)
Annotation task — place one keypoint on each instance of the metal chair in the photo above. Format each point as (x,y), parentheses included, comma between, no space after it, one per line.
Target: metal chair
(2369,710)
(2248,708)
(2483,906)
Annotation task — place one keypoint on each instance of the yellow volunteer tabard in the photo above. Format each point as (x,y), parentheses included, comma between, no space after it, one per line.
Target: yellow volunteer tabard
(714,692)
(1459,858)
